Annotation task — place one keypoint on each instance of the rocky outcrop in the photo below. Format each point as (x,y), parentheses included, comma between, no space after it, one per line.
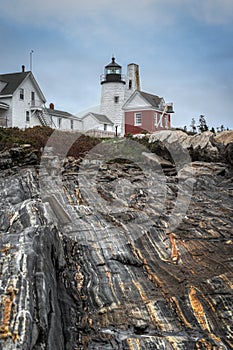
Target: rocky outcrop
(21,155)
(119,250)
(202,147)
(31,257)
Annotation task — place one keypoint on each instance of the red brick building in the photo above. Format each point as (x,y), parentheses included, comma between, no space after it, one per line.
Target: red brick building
(146,112)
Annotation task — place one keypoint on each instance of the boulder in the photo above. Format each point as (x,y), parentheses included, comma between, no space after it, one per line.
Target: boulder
(204,146)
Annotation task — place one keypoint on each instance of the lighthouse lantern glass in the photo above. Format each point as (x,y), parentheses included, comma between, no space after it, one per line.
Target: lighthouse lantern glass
(113,70)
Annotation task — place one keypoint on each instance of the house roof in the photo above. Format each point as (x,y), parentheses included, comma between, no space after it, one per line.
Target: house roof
(58,113)
(102,118)
(153,100)
(14,80)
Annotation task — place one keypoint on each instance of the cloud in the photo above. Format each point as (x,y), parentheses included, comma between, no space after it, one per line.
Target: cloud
(61,11)
(77,18)
(53,11)
(73,39)
(104,19)
(214,12)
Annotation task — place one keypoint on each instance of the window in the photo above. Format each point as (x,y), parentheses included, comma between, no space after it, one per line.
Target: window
(138,119)
(72,124)
(27,117)
(116,99)
(21,94)
(59,122)
(156,119)
(113,70)
(130,84)
(105,127)
(32,98)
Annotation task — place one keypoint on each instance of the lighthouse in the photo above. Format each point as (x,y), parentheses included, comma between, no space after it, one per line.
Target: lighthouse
(113,94)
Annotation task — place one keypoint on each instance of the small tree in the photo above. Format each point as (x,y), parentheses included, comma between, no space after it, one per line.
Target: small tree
(202,124)
(193,126)
(212,130)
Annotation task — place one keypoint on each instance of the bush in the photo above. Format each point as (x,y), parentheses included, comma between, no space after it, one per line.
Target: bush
(38,137)
(129,135)
(11,137)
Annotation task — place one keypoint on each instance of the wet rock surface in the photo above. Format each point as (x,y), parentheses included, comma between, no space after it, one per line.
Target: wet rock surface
(102,253)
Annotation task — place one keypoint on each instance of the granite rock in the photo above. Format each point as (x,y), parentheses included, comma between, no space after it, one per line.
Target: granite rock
(103,255)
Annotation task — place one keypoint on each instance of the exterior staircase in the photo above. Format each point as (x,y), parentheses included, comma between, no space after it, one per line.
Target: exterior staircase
(44,118)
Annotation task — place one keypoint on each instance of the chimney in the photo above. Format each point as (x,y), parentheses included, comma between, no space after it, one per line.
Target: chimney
(51,105)
(23,68)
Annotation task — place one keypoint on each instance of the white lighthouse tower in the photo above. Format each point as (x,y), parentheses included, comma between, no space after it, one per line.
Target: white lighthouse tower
(113,94)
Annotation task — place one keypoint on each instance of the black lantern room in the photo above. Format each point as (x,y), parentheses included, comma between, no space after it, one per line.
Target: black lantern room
(112,73)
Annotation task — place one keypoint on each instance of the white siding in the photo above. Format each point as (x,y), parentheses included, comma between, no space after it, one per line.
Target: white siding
(136,103)
(108,105)
(19,107)
(91,123)
(66,123)
(78,125)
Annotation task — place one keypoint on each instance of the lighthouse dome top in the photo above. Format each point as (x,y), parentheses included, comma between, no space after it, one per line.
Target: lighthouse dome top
(113,65)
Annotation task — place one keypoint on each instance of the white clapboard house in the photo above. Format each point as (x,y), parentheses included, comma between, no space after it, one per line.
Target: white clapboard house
(22,104)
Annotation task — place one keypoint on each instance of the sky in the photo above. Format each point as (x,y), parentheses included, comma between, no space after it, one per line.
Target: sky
(184,49)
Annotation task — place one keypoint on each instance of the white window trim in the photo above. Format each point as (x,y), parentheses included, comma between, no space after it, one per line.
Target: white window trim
(135,118)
